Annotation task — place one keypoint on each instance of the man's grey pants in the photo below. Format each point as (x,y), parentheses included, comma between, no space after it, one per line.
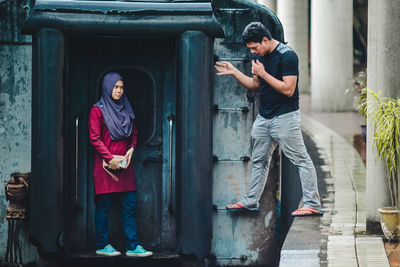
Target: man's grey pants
(285,131)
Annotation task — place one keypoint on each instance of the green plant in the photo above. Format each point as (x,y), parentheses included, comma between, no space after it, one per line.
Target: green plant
(384,113)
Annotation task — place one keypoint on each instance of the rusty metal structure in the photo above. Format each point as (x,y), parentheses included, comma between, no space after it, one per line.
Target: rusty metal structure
(252,239)
(17,193)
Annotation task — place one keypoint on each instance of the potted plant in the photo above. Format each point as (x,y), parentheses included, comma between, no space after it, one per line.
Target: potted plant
(385,116)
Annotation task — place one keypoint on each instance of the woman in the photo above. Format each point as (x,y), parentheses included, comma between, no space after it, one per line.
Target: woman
(113,133)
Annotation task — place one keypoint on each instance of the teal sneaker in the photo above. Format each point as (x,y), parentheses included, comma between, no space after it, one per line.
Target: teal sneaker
(139,252)
(108,251)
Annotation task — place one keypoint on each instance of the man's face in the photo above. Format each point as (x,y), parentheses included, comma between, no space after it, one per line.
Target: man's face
(118,90)
(260,49)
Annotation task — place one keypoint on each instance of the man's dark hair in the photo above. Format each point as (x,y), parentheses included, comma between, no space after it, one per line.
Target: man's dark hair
(255,32)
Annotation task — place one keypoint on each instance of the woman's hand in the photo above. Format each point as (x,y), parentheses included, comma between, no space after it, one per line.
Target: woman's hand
(128,156)
(114,164)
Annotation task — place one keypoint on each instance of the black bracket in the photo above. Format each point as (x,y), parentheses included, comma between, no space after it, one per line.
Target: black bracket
(243,159)
(216,109)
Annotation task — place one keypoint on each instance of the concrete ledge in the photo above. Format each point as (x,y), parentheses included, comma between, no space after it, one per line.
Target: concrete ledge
(302,243)
(300,258)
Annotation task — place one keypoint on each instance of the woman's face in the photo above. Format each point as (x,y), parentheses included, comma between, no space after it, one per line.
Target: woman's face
(118,90)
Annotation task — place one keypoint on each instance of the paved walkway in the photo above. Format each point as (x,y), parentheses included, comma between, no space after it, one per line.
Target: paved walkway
(343,241)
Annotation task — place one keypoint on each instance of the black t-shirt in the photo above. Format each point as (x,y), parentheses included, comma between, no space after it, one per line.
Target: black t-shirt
(281,62)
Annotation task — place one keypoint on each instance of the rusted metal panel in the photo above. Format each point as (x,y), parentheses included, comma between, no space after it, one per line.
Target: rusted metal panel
(252,238)
(234,15)
(231,126)
(123,18)
(13,14)
(238,239)
(245,239)
(194,146)
(47,196)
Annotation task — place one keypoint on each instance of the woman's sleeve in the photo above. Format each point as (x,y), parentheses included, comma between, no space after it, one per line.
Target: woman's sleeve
(95,135)
(133,137)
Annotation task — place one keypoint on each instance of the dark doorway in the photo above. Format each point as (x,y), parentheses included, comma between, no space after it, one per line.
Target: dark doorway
(144,65)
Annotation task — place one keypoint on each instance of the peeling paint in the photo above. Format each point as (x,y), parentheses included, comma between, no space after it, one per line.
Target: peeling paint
(15,79)
(234,120)
(236,235)
(3,208)
(267,219)
(15,128)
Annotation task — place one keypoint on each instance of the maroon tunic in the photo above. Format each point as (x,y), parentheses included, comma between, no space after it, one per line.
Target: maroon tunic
(104,149)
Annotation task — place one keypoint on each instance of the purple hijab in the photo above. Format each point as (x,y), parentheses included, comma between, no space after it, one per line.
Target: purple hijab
(117,115)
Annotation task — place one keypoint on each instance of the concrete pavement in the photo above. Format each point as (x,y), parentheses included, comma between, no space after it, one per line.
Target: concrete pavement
(338,238)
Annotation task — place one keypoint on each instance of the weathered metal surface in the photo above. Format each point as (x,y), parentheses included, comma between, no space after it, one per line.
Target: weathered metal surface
(123,18)
(47,196)
(114,7)
(241,239)
(234,15)
(148,65)
(231,128)
(77,156)
(13,14)
(236,237)
(146,82)
(173,213)
(15,108)
(245,239)
(194,147)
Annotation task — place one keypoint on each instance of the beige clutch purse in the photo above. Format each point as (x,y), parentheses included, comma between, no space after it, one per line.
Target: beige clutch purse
(122,165)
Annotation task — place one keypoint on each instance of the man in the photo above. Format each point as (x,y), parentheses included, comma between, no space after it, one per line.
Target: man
(275,77)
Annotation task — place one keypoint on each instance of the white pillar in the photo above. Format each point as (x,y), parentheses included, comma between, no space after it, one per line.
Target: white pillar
(383,74)
(271,4)
(294,18)
(331,54)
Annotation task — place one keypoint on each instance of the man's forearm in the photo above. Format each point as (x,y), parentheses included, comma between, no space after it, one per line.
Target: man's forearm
(246,81)
(278,85)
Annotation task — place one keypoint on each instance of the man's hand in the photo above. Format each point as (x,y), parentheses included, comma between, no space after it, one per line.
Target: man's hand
(114,164)
(128,156)
(224,68)
(257,68)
